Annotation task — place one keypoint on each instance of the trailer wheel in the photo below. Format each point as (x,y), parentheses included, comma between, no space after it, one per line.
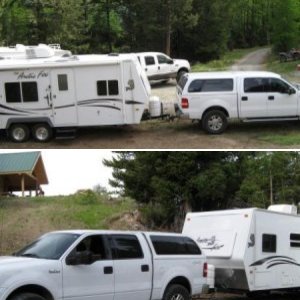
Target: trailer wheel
(27,296)
(215,122)
(42,132)
(176,292)
(19,133)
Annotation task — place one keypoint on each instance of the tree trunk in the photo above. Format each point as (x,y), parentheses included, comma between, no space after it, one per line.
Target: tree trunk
(168,27)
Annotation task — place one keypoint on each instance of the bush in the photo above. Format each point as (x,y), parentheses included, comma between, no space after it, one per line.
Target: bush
(86,197)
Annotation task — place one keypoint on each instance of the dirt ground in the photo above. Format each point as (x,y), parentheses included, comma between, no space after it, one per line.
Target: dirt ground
(180,134)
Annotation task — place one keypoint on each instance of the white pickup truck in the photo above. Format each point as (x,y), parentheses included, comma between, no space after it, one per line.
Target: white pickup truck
(106,265)
(159,66)
(214,98)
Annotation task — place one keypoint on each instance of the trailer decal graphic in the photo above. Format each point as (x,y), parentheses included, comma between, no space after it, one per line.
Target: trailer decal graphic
(134,102)
(210,243)
(12,109)
(273,261)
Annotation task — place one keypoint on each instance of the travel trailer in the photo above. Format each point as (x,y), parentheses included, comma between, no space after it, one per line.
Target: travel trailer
(252,249)
(46,94)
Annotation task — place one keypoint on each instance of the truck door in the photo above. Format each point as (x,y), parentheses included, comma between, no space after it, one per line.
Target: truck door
(151,66)
(64,97)
(132,268)
(253,98)
(282,99)
(164,65)
(93,279)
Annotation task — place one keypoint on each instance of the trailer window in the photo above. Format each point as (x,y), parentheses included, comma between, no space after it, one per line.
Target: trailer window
(113,87)
(269,243)
(102,88)
(63,82)
(126,247)
(30,92)
(295,240)
(14,95)
(13,92)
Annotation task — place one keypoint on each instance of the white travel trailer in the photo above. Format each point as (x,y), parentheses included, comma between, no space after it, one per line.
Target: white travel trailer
(252,249)
(42,96)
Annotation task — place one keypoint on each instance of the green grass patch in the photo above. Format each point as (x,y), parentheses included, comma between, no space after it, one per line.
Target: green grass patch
(286,139)
(229,59)
(286,69)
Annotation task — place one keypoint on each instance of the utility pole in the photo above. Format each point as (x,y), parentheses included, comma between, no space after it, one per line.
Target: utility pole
(271,188)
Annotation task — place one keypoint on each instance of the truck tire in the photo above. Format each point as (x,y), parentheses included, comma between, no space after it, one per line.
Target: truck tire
(215,122)
(19,133)
(27,296)
(176,292)
(42,133)
(180,74)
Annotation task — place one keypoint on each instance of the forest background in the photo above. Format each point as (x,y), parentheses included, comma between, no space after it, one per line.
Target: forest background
(199,30)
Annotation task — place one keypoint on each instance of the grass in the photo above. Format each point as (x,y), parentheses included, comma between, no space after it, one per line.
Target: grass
(22,220)
(229,59)
(287,69)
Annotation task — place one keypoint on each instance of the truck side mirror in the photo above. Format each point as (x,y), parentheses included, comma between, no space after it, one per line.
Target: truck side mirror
(291,91)
(170,62)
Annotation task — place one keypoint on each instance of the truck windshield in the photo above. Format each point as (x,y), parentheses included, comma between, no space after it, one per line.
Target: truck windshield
(49,246)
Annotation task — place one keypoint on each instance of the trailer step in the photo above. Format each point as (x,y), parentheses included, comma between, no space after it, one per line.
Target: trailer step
(66,133)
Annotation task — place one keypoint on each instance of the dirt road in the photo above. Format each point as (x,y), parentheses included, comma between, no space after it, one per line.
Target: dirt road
(181,134)
(254,61)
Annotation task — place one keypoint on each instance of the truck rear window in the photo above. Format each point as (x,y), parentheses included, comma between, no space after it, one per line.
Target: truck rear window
(173,245)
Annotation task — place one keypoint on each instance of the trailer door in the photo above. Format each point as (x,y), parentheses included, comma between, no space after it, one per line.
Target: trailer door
(64,97)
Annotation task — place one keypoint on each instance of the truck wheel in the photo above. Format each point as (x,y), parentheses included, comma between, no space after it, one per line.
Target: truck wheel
(42,132)
(180,74)
(19,133)
(215,122)
(27,296)
(176,292)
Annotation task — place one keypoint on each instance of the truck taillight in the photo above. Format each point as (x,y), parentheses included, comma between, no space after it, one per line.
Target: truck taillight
(205,270)
(185,103)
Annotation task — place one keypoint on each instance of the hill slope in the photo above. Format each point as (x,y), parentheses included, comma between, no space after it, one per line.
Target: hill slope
(23,220)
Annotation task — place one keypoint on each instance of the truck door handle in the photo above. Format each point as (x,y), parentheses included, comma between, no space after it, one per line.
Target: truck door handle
(145,268)
(244,98)
(108,270)
(146,69)
(271,98)
(158,68)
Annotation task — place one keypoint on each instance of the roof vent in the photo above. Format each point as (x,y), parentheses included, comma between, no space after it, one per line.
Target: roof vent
(41,51)
(283,208)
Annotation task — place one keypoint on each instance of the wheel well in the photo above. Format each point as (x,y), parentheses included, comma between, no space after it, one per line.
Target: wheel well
(216,108)
(28,122)
(183,69)
(181,281)
(33,289)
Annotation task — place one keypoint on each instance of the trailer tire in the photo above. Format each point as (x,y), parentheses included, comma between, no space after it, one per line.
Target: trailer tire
(42,132)
(176,292)
(19,133)
(214,122)
(27,296)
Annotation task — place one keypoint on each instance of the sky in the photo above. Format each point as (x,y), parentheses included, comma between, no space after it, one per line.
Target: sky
(72,170)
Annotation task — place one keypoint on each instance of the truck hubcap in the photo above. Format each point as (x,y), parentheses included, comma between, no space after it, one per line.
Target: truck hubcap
(215,123)
(177,297)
